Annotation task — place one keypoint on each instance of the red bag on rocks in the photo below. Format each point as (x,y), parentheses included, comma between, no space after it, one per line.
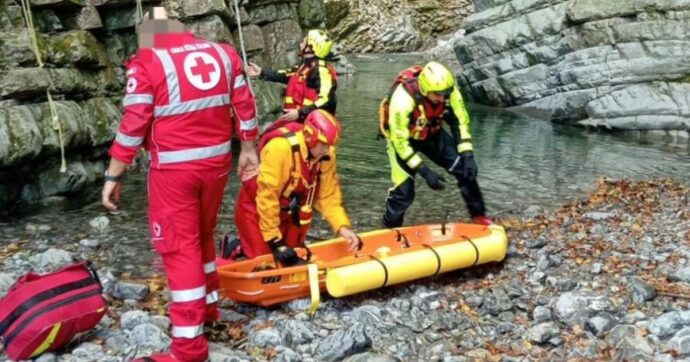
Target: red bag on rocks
(42,313)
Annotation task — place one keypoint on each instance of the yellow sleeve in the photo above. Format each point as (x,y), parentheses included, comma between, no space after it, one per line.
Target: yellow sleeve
(274,174)
(400,109)
(329,200)
(460,111)
(325,83)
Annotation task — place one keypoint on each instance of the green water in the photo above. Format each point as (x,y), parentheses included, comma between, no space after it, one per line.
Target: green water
(522,162)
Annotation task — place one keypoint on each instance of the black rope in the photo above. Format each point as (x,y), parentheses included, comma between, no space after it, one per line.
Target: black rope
(438,258)
(476,260)
(385,271)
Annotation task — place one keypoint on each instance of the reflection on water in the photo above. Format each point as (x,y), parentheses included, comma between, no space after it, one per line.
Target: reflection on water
(522,162)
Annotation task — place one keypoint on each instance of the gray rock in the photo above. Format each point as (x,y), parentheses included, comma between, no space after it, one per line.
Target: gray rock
(161,321)
(371,357)
(47,357)
(286,355)
(669,323)
(150,337)
(211,28)
(620,332)
(642,292)
(532,211)
(90,243)
(541,314)
(680,275)
(680,342)
(635,348)
(576,307)
(601,323)
(86,18)
(88,351)
(269,337)
(232,316)
(6,281)
(599,216)
(124,290)
(595,268)
(220,353)
(299,332)
(133,318)
(100,223)
(343,343)
(117,343)
(541,333)
(537,243)
(53,259)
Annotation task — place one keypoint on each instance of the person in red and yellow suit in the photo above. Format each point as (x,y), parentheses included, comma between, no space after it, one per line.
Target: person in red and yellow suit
(183,97)
(310,86)
(297,173)
(412,118)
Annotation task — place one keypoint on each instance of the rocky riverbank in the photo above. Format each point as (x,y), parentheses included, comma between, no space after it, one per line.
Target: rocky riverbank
(606,277)
(619,65)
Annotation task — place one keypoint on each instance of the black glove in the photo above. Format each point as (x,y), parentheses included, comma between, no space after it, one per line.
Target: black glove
(433,180)
(468,166)
(283,253)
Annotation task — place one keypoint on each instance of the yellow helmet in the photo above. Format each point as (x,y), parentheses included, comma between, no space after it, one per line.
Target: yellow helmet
(319,42)
(434,77)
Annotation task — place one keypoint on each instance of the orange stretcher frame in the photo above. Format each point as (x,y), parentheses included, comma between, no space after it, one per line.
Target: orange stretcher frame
(386,257)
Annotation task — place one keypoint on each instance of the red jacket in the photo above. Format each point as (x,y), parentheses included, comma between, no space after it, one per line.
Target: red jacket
(181,103)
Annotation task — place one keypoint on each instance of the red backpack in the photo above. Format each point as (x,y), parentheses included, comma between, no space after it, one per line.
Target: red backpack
(42,312)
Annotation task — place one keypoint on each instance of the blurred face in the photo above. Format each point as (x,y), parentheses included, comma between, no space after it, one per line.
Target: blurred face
(435,97)
(319,151)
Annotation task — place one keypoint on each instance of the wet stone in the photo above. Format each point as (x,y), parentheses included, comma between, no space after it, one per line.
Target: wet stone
(89,243)
(100,223)
(53,259)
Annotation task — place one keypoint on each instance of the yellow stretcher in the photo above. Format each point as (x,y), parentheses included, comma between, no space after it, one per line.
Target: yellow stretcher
(386,257)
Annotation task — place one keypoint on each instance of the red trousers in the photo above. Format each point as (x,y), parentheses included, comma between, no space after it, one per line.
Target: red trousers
(183,207)
(247,222)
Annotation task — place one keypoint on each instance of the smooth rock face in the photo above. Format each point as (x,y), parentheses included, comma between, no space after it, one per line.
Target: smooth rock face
(619,65)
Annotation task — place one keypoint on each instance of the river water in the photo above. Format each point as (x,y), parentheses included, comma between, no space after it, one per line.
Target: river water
(522,162)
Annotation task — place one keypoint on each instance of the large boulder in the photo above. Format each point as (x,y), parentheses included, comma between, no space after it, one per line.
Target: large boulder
(585,62)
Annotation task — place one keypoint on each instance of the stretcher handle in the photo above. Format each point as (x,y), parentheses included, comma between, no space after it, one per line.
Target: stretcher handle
(445,220)
(402,236)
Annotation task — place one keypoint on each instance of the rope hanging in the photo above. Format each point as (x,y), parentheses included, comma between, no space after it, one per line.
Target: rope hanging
(244,52)
(54,117)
